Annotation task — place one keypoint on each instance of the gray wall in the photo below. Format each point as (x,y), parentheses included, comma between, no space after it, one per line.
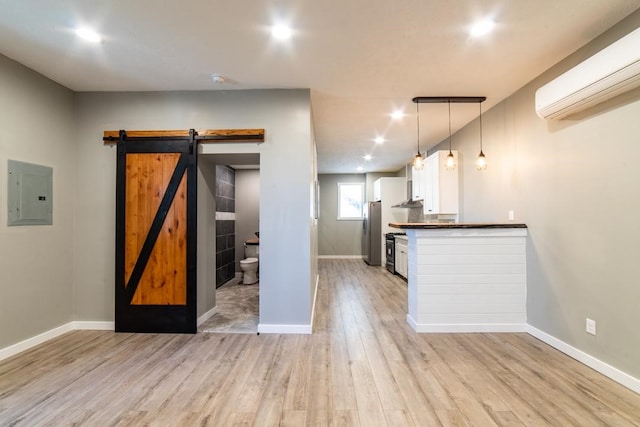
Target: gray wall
(575,184)
(36,262)
(247,209)
(287,228)
(337,237)
(206,258)
(288,170)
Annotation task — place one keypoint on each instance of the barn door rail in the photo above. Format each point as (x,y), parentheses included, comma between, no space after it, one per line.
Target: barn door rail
(202,136)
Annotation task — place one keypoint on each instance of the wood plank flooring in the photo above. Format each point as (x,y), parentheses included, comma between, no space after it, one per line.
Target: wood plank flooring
(363,365)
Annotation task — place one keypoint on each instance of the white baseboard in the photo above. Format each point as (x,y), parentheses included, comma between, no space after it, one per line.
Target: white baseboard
(34,341)
(315,298)
(605,369)
(206,316)
(284,329)
(466,328)
(339,256)
(94,326)
(54,333)
(412,322)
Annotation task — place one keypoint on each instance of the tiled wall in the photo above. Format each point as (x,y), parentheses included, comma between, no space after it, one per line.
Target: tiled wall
(225,224)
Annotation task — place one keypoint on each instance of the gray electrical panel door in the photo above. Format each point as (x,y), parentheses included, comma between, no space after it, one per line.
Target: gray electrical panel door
(29,194)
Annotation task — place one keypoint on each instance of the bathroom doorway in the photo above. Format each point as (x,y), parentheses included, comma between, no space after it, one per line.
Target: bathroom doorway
(232,196)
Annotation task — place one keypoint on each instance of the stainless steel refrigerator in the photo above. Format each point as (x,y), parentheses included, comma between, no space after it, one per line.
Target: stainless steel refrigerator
(372,234)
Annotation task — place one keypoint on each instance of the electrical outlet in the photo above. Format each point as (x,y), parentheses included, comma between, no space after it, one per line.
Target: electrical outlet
(511,216)
(591,326)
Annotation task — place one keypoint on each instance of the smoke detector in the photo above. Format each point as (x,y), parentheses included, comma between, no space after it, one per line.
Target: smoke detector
(218,79)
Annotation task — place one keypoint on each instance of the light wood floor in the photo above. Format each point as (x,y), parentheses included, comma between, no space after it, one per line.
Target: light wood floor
(363,365)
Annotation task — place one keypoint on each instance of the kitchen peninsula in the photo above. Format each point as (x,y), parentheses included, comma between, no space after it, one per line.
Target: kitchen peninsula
(466,277)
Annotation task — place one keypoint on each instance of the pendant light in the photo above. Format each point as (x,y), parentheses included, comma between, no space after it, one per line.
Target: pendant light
(481,161)
(418,160)
(451,161)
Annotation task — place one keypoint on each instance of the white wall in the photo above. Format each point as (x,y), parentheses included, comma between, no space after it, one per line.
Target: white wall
(575,184)
(286,159)
(36,262)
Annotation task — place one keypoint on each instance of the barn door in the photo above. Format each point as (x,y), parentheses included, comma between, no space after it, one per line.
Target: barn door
(156,233)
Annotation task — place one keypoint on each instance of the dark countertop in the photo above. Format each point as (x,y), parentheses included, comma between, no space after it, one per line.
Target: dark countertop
(440,225)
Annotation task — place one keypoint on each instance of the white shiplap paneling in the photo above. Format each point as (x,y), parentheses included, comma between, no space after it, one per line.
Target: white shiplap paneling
(467,280)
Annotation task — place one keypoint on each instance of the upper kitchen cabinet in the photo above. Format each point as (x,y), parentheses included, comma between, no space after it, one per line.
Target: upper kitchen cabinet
(390,189)
(439,185)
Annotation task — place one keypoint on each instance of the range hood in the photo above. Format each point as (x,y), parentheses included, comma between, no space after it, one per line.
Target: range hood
(409,203)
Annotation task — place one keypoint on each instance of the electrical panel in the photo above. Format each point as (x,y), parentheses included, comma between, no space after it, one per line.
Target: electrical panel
(29,194)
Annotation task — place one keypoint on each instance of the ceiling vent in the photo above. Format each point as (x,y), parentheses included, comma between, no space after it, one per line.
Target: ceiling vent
(610,72)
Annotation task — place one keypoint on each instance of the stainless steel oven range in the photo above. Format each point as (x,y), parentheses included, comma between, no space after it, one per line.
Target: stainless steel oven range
(390,245)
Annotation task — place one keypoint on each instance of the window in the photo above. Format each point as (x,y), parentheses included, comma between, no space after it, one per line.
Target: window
(350,200)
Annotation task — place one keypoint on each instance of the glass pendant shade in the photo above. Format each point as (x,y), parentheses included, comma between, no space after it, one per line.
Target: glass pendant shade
(418,162)
(451,162)
(481,161)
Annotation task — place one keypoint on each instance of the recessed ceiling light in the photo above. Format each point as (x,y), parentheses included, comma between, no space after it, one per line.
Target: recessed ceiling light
(397,115)
(367,157)
(379,140)
(88,35)
(482,28)
(281,32)
(360,168)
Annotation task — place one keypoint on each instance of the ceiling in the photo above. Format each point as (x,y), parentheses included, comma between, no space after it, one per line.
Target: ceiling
(361,59)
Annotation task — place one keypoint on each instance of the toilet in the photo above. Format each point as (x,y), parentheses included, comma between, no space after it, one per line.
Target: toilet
(249,265)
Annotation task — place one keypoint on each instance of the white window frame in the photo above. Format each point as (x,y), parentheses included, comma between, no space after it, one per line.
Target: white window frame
(350,218)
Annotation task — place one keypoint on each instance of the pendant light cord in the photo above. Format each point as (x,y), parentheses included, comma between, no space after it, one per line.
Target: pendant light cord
(418,117)
(480,105)
(449,103)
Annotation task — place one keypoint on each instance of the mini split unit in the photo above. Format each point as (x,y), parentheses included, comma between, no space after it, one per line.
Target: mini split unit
(610,72)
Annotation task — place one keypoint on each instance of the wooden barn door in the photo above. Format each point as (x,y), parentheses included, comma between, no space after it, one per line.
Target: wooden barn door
(156,233)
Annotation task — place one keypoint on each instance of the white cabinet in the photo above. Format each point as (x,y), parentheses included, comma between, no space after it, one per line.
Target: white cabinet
(402,256)
(390,189)
(440,186)
(417,187)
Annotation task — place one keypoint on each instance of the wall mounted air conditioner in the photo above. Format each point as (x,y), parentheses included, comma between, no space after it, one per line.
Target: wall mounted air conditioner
(610,72)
